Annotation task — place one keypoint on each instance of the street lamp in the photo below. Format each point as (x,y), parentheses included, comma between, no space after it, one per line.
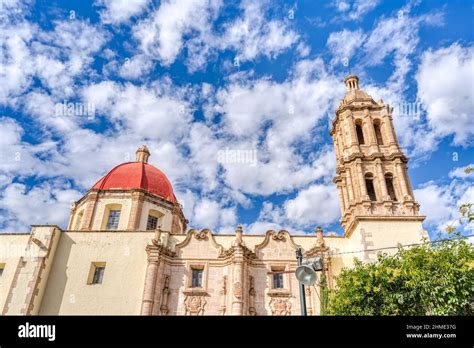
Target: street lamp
(306,274)
(306,271)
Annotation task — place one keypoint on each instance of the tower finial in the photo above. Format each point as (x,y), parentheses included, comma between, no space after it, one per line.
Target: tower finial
(352,83)
(142,154)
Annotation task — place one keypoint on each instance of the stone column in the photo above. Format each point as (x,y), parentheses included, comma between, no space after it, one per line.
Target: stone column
(349,185)
(353,142)
(88,217)
(360,175)
(370,128)
(401,178)
(135,211)
(381,178)
(237,281)
(150,279)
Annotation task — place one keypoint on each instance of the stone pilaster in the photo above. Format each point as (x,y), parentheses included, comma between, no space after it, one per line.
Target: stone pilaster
(153,261)
(88,217)
(237,281)
(136,211)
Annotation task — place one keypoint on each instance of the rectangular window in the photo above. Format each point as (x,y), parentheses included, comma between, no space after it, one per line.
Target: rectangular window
(96,273)
(152,222)
(196,281)
(2,268)
(278,281)
(113,220)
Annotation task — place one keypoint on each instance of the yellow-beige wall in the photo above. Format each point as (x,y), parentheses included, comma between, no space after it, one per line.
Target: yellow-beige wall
(67,291)
(12,247)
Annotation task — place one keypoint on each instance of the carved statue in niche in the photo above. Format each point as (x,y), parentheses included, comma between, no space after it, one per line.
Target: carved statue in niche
(164,296)
(194,304)
(223,294)
(252,310)
(280,306)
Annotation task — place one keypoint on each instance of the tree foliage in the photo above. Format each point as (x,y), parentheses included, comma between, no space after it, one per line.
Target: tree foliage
(430,279)
(435,279)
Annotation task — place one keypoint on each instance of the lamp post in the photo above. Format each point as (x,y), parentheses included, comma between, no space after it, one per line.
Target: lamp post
(299,257)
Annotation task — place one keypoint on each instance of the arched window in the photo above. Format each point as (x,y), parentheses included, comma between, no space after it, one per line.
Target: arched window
(390,188)
(360,134)
(369,184)
(378,133)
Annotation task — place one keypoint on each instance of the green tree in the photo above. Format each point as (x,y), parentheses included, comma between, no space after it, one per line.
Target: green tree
(430,279)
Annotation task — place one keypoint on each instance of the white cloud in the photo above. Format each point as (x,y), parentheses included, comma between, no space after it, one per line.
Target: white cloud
(18,158)
(118,11)
(42,204)
(161,35)
(460,172)
(441,202)
(317,204)
(446,89)
(54,57)
(142,110)
(253,34)
(211,214)
(343,44)
(249,122)
(136,67)
(355,9)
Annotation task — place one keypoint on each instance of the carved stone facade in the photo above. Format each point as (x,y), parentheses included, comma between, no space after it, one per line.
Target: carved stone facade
(153,265)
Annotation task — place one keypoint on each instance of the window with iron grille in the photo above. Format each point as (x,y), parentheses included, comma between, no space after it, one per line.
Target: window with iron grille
(278,281)
(98,275)
(152,222)
(196,280)
(113,220)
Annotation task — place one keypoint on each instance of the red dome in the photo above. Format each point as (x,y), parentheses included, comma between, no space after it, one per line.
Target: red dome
(137,175)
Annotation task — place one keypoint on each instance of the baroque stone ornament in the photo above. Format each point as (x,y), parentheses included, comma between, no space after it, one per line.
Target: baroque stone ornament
(252,310)
(164,296)
(237,291)
(280,306)
(280,236)
(194,304)
(202,235)
(223,294)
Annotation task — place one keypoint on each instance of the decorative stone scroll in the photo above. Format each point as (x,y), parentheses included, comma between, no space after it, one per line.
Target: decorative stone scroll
(280,236)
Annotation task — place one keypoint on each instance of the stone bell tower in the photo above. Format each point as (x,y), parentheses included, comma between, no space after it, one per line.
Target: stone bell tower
(371,174)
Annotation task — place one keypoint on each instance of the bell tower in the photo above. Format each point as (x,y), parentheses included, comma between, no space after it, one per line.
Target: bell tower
(371,172)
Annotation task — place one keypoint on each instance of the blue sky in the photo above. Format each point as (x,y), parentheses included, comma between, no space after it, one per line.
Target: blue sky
(194,79)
